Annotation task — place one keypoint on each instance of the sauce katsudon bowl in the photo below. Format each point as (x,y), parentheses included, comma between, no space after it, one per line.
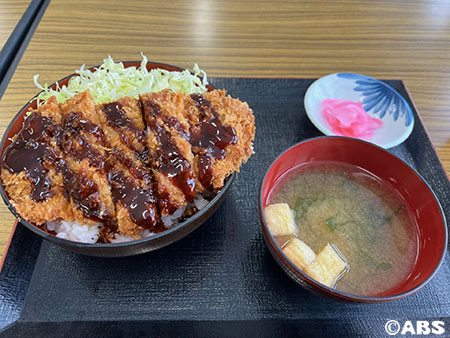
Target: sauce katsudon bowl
(348,220)
(131,246)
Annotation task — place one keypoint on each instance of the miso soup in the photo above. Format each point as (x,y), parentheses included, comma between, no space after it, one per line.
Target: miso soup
(361,216)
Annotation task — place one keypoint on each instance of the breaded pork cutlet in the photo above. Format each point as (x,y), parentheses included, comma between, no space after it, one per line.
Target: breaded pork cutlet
(41,182)
(213,132)
(84,148)
(237,115)
(123,124)
(130,179)
(168,142)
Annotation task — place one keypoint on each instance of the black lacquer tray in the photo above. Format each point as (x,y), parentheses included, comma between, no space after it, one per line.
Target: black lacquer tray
(220,281)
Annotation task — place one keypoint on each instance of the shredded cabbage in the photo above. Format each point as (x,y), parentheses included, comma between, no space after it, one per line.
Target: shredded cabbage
(112,81)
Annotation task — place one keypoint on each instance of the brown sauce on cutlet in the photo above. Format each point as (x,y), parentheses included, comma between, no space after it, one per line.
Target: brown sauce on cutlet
(203,105)
(135,169)
(209,139)
(171,162)
(74,143)
(205,165)
(172,122)
(107,231)
(83,192)
(213,136)
(139,202)
(164,203)
(118,120)
(175,166)
(28,151)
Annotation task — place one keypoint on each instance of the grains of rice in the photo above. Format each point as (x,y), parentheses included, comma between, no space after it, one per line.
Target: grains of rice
(170,220)
(119,238)
(73,231)
(200,202)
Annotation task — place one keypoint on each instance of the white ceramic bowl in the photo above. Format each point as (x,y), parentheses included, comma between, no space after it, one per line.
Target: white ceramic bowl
(378,99)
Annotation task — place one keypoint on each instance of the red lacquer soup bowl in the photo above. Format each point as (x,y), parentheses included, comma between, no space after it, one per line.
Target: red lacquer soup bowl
(130,248)
(415,192)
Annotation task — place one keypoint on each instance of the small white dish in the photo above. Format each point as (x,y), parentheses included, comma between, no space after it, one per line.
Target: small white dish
(378,99)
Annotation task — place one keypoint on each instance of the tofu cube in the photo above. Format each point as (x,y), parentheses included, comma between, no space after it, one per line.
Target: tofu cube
(327,266)
(299,253)
(280,219)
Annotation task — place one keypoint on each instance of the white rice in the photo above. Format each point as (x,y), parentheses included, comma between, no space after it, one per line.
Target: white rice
(119,238)
(73,231)
(200,202)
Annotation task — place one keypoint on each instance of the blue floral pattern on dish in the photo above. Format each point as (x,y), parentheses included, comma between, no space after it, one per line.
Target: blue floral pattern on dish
(380,99)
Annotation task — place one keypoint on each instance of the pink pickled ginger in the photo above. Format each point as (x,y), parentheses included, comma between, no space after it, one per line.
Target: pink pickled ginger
(348,118)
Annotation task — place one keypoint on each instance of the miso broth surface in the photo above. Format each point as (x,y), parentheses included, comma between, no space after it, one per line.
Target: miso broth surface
(366,220)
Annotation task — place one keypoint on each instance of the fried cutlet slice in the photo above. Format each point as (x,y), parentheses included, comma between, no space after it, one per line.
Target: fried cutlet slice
(135,202)
(167,107)
(82,136)
(30,175)
(84,149)
(168,142)
(238,115)
(123,127)
(123,124)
